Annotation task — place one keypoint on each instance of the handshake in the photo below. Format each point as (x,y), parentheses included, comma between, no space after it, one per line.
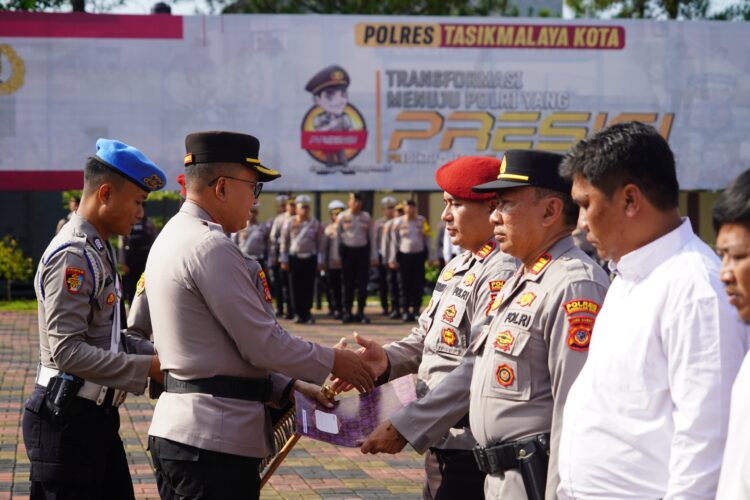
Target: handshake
(358,369)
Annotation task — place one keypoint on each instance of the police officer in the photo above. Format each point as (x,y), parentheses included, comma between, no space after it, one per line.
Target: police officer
(302,256)
(393,280)
(133,252)
(215,333)
(535,342)
(71,420)
(281,277)
(437,424)
(333,260)
(358,254)
(410,246)
(253,240)
(388,207)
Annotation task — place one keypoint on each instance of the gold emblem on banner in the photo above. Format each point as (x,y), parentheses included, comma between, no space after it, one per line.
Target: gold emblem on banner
(17,70)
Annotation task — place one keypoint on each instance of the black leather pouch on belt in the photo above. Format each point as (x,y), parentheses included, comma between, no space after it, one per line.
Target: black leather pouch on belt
(530,456)
(62,390)
(247,389)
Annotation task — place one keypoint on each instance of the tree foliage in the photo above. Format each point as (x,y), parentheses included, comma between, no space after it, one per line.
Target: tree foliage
(657,9)
(14,266)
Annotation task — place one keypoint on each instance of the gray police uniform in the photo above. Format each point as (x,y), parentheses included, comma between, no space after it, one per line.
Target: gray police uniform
(253,241)
(210,320)
(279,278)
(529,352)
(333,269)
(78,293)
(302,246)
(357,251)
(394,290)
(436,350)
(410,246)
(378,231)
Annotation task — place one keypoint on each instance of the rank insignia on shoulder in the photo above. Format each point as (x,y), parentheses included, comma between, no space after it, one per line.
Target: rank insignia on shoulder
(448,274)
(486,249)
(266,288)
(496,285)
(449,337)
(449,314)
(581,306)
(504,341)
(470,279)
(110,298)
(505,375)
(526,299)
(140,287)
(579,333)
(541,263)
(74,279)
(98,243)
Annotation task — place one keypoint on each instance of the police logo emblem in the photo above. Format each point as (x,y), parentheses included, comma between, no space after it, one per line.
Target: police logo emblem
(110,298)
(526,299)
(504,341)
(449,314)
(448,274)
(153,183)
(470,279)
(449,337)
(74,279)
(140,287)
(505,375)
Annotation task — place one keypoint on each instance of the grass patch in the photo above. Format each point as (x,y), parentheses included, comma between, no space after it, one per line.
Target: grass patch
(18,305)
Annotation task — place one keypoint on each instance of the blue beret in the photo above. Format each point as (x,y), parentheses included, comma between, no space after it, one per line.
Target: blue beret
(130,163)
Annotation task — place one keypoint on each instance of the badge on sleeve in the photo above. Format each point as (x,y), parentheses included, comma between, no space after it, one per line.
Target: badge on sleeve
(266,288)
(140,287)
(449,337)
(496,285)
(581,315)
(110,298)
(74,279)
(494,304)
(505,375)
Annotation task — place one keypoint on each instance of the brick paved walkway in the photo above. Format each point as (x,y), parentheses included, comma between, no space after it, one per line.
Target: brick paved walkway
(313,469)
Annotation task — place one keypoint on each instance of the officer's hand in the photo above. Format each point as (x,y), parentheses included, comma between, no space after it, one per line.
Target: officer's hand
(349,367)
(155,371)
(373,354)
(284,266)
(384,439)
(393,265)
(374,263)
(312,391)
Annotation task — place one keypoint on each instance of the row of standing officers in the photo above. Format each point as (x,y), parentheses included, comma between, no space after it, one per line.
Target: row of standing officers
(297,248)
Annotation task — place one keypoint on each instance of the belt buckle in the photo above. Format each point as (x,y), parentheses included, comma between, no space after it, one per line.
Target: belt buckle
(480,455)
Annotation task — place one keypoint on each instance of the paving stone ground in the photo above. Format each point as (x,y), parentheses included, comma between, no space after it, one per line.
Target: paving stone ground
(312,470)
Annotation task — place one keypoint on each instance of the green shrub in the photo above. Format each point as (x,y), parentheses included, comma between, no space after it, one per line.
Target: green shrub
(13,265)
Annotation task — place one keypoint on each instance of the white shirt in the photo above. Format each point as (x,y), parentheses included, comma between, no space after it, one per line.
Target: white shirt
(734,483)
(647,416)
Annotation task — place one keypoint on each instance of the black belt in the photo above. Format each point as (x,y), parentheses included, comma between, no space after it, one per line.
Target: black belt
(247,389)
(506,456)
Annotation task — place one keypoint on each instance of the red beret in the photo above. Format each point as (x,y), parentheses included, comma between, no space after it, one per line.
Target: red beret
(457,177)
(181,182)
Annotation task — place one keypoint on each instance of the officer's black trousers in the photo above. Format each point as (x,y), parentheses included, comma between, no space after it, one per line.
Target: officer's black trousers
(185,472)
(383,286)
(281,293)
(355,262)
(302,284)
(452,474)
(80,458)
(411,275)
(333,279)
(394,289)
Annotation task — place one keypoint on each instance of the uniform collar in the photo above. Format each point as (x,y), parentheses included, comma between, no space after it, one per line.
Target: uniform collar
(194,210)
(88,229)
(560,247)
(640,262)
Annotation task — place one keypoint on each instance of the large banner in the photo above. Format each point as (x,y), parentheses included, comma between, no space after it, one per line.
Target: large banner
(346,102)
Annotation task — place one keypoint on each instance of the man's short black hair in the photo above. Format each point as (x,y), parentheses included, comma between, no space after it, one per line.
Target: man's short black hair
(733,205)
(97,173)
(570,209)
(357,195)
(626,153)
(411,202)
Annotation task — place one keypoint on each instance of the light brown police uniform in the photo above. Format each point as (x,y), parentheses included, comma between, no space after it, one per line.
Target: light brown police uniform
(529,354)
(75,286)
(436,349)
(210,319)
